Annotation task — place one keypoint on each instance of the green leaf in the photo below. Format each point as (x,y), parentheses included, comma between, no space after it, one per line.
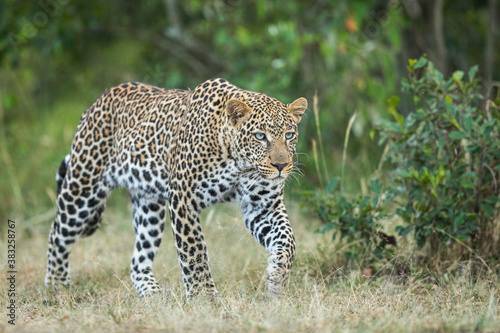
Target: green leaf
(454,122)
(472,72)
(488,210)
(393,101)
(466,183)
(378,253)
(403,231)
(469,174)
(441,174)
(322,213)
(456,135)
(324,229)
(420,63)
(375,186)
(492,199)
(389,126)
(459,220)
(441,143)
(332,184)
(458,76)
(468,123)
(399,118)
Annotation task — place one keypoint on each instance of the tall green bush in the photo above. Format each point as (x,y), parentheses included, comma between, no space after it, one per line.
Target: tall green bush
(446,159)
(443,177)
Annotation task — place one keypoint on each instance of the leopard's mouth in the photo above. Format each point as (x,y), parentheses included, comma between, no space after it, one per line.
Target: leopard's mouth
(281,176)
(273,175)
(264,172)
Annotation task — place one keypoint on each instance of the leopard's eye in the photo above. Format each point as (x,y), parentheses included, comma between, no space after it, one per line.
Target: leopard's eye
(260,136)
(289,135)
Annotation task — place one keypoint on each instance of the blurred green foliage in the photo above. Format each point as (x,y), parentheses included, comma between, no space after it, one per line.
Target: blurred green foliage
(58,56)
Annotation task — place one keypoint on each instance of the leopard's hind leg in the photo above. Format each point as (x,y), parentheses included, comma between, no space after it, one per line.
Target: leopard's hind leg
(80,203)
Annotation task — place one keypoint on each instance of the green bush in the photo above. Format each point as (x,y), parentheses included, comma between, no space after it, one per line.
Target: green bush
(356,221)
(446,158)
(443,178)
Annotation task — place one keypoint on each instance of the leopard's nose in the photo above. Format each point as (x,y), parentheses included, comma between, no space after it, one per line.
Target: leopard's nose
(279,166)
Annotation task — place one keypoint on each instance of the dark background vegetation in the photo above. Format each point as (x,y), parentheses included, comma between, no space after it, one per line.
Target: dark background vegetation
(345,57)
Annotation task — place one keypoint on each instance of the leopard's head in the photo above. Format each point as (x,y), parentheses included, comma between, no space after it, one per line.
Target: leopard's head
(266,133)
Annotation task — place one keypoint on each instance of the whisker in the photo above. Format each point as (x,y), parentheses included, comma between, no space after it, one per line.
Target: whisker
(296,168)
(298,154)
(302,154)
(298,173)
(292,177)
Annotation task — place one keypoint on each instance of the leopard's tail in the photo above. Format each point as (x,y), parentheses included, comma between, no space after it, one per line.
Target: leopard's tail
(61,173)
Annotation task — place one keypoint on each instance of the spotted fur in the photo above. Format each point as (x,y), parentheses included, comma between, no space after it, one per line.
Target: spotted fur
(179,151)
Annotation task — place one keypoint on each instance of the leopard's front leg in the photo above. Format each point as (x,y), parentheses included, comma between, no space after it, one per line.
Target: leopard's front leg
(269,224)
(191,248)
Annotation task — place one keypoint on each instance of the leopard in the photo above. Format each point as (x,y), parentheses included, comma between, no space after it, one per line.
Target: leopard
(180,151)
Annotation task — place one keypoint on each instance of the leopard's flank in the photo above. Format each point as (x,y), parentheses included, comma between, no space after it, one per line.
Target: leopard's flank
(179,151)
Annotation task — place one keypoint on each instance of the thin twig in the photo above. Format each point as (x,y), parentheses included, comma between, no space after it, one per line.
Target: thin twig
(320,138)
(494,177)
(346,142)
(382,159)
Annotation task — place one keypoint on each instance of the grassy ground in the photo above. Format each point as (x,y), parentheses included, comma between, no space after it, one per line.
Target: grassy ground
(103,299)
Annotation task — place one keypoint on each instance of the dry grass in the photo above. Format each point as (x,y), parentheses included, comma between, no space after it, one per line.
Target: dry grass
(103,299)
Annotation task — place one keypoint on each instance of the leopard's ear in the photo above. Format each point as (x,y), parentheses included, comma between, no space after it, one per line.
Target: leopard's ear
(297,108)
(237,111)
